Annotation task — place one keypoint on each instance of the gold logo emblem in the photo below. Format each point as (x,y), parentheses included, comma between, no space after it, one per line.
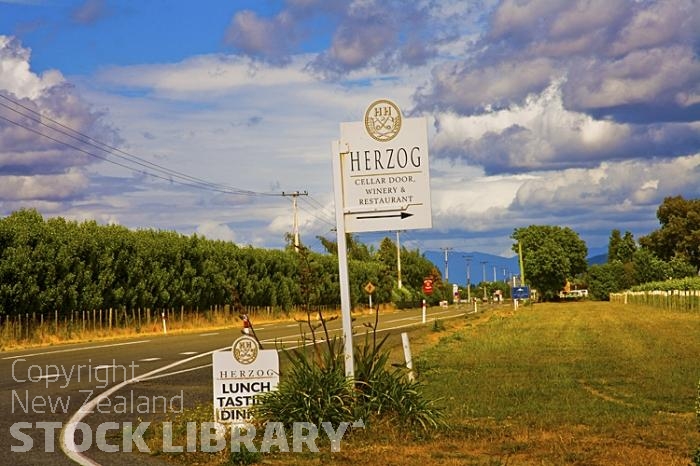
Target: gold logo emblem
(245,350)
(383,120)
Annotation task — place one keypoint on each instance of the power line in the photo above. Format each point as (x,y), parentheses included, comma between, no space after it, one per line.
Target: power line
(161,172)
(317,208)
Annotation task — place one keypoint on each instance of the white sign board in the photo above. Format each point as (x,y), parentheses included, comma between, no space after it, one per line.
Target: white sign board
(385,172)
(240,375)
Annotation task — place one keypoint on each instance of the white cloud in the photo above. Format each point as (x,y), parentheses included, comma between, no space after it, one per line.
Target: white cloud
(540,133)
(468,89)
(517,17)
(205,74)
(216,231)
(642,76)
(273,38)
(15,74)
(42,187)
(524,95)
(41,160)
(657,24)
(611,187)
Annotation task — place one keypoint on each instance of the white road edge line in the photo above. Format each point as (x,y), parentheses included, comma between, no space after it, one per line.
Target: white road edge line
(68,432)
(168,374)
(68,350)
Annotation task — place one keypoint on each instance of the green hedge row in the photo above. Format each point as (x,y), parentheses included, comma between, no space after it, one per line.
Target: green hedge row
(58,265)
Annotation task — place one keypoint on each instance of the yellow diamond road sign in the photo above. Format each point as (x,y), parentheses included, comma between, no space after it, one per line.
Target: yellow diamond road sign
(369,288)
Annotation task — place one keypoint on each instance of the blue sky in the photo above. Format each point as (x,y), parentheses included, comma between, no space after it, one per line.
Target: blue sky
(575,113)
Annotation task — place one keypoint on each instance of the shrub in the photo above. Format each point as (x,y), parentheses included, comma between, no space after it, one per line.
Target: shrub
(316,390)
(310,392)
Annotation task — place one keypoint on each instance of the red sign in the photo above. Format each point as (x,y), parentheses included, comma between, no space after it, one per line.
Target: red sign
(427,285)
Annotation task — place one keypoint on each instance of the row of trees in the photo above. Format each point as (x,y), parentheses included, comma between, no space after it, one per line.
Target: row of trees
(58,265)
(670,252)
(552,255)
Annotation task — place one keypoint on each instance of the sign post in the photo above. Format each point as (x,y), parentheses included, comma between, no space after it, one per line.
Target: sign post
(381,182)
(343,264)
(369,289)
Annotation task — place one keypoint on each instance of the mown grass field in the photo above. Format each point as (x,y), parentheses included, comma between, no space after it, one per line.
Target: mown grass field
(584,383)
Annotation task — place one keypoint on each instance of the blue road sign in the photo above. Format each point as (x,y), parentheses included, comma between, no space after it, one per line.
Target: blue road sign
(520,292)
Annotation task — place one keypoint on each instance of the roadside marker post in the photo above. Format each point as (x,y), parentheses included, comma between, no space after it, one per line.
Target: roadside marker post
(407,356)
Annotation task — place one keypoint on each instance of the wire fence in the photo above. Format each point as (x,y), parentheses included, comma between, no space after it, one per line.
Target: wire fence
(30,328)
(679,300)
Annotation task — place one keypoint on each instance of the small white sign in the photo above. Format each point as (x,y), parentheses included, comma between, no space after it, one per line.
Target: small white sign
(385,172)
(239,376)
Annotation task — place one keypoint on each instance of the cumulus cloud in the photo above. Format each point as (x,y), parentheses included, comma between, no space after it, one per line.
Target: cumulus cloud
(43,187)
(215,231)
(542,134)
(658,24)
(273,39)
(564,84)
(589,200)
(32,107)
(614,53)
(351,50)
(657,76)
(610,187)
(465,89)
(16,77)
(575,112)
(384,35)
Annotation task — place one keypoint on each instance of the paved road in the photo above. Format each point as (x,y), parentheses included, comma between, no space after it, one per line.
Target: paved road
(45,388)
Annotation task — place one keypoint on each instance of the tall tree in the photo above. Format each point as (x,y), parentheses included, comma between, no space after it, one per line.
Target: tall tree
(551,255)
(614,245)
(679,235)
(627,248)
(621,248)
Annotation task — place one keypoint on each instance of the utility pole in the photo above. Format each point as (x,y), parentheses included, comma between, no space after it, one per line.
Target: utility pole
(494,274)
(447,270)
(469,278)
(295,227)
(520,260)
(483,271)
(398,258)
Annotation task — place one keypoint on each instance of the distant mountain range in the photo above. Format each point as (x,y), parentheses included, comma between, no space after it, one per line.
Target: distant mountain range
(599,259)
(482,265)
(481,269)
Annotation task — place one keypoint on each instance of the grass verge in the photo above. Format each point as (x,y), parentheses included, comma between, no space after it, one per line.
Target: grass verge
(582,383)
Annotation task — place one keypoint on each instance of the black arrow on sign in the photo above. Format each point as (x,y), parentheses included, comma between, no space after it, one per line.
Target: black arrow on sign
(403,215)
